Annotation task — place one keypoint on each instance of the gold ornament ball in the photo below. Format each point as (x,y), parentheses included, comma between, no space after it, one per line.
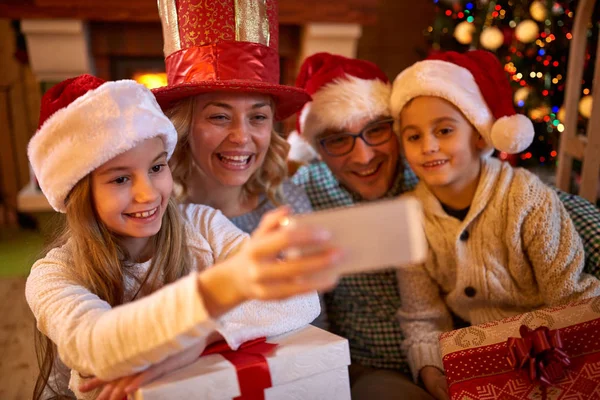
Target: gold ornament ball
(464,32)
(491,38)
(521,94)
(538,113)
(538,11)
(561,114)
(585,106)
(527,31)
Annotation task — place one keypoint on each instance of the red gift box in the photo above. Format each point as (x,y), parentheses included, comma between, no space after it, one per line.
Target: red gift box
(516,359)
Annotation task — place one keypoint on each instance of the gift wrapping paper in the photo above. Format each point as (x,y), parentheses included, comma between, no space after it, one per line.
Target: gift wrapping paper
(477,365)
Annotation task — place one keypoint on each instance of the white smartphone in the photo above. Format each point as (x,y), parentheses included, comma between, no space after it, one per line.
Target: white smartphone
(374,235)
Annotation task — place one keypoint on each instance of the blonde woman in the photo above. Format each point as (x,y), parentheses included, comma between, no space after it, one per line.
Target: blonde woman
(224,97)
(230,157)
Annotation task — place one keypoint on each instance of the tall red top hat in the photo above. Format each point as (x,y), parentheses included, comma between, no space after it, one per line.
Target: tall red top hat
(227,45)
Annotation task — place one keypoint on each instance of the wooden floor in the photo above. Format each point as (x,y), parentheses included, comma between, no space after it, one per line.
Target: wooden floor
(18,367)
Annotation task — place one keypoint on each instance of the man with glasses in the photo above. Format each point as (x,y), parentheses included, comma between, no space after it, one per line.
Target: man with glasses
(348,124)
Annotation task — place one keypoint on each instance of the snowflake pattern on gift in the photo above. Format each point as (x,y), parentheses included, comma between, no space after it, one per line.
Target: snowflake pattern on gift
(581,385)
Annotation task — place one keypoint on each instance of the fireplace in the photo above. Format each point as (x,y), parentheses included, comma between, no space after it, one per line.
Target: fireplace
(149,71)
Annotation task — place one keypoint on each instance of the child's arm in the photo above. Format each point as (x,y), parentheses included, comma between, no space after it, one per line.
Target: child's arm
(555,249)
(261,316)
(423,316)
(121,387)
(106,342)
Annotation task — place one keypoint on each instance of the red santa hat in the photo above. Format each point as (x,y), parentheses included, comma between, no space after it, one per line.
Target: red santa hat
(343,90)
(85,122)
(476,83)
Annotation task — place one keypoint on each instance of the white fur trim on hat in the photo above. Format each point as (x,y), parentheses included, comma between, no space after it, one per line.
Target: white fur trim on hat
(343,102)
(93,129)
(300,150)
(456,84)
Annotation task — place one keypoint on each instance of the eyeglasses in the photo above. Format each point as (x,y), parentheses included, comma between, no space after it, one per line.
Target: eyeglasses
(372,134)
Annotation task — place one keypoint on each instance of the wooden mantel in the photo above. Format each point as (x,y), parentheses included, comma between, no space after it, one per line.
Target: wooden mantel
(363,12)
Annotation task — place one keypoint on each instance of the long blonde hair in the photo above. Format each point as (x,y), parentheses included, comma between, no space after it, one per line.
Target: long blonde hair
(99,261)
(267,179)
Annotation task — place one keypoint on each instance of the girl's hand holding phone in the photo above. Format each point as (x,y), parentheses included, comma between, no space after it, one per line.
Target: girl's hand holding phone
(260,271)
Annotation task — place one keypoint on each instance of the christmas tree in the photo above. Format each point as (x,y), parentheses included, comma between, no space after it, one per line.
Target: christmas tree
(531,39)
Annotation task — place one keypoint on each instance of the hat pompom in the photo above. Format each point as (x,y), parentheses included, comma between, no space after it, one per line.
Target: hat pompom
(512,134)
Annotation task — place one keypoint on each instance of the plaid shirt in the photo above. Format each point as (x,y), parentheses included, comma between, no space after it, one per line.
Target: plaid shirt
(362,307)
(586,218)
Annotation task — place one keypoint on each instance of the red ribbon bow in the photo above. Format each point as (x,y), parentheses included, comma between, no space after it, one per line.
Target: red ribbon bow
(250,365)
(540,353)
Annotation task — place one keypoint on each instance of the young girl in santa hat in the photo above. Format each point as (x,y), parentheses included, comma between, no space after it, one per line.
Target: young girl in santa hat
(501,242)
(100,156)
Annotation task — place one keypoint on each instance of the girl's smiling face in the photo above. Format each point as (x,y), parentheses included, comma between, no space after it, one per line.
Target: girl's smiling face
(131,191)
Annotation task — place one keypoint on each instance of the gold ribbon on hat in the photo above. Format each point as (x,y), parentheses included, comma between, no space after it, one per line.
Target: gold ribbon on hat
(167,9)
(252,21)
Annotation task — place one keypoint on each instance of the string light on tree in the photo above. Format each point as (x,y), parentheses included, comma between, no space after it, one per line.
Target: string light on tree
(561,114)
(557,9)
(538,113)
(537,35)
(521,96)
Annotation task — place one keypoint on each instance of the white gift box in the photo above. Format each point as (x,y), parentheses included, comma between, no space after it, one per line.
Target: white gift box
(309,363)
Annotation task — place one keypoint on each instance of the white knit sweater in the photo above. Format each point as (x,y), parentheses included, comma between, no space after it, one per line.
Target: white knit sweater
(520,252)
(95,339)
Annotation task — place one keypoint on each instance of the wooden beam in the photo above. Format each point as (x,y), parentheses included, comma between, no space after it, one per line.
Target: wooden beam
(32,11)
(363,12)
(132,40)
(298,12)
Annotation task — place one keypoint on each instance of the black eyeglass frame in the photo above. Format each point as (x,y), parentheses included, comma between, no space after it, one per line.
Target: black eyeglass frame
(360,134)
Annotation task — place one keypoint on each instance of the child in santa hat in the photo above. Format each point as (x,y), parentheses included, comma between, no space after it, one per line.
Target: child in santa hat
(501,242)
(100,156)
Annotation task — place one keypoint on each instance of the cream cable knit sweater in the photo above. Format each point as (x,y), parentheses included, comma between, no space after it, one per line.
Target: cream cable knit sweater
(95,339)
(515,251)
